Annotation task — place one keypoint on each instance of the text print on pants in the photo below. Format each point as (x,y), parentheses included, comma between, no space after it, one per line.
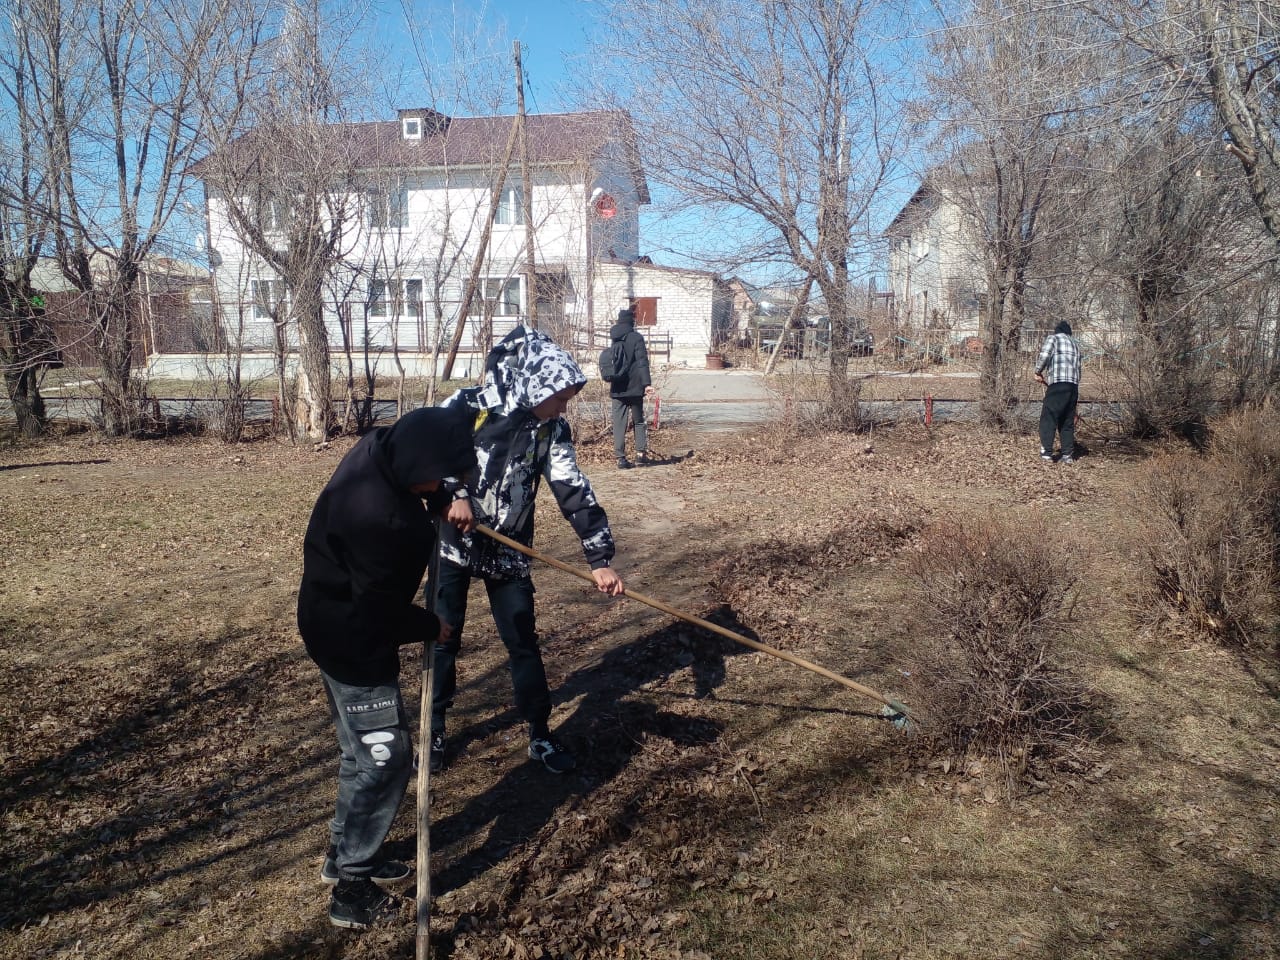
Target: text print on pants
(368,707)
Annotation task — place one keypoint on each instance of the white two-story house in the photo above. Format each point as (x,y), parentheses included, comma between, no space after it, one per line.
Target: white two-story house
(415,215)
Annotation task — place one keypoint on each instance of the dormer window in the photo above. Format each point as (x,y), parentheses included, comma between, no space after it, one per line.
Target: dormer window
(418,123)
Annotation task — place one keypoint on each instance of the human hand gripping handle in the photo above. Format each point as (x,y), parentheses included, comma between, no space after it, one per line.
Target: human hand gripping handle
(459,514)
(607,581)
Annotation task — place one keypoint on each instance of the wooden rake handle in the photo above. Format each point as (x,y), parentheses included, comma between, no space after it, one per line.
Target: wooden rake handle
(894,705)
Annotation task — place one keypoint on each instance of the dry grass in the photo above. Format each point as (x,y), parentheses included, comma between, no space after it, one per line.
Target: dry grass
(167,762)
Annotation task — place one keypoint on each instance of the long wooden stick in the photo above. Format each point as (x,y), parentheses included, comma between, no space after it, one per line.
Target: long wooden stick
(422,938)
(894,705)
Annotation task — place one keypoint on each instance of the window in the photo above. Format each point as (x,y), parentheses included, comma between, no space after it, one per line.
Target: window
(408,297)
(646,309)
(503,296)
(268,297)
(376,302)
(411,128)
(386,208)
(510,207)
(272,215)
(413,298)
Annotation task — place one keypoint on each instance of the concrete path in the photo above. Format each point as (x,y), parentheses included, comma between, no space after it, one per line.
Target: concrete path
(712,399)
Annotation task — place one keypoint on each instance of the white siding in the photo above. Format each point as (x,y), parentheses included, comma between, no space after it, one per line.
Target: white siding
(686,301)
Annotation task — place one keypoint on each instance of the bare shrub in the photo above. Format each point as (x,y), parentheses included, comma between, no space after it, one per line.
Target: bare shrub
(811,407)
(1247,444)
(1213,552)
(766,582)
(994,602)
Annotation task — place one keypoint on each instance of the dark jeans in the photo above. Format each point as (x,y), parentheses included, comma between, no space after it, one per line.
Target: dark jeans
(511,602)
(376,761)
(634,407)
(1058,414)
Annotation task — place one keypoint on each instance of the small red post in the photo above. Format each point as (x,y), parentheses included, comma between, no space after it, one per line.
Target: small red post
(657,405)
(928,410)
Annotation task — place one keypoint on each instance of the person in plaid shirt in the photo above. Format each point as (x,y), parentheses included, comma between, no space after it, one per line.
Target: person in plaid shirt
(1060,356)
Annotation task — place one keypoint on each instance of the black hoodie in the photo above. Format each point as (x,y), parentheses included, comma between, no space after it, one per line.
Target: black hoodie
(635,359)
(368,543)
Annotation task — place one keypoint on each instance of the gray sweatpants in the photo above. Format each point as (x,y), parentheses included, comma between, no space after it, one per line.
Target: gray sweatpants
(622,408)
(375,764)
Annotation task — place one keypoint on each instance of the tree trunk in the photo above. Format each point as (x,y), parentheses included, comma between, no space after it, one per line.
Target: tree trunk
(28,405)
(20,348)
(121,407)
(313,412)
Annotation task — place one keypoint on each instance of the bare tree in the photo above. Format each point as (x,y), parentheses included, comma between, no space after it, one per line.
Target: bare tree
(283,177)
(1189,77)
(1169,245)
(1010,84)
(776,110)
(24,233)
(1220,54)
(116,87)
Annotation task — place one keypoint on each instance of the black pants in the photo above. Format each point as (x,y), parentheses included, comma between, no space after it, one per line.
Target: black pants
(1058,414)
(511,602)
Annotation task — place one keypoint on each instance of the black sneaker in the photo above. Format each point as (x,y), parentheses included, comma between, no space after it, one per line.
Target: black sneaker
(359,904)
(624,463)
(437,752)
(553,756)
(388,874)
(644,459)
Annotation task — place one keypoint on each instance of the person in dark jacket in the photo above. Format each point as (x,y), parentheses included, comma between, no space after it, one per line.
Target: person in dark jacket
(629,388)
(521,440)
(366,548)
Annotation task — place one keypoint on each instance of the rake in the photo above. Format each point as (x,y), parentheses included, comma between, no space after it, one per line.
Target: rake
(894,710)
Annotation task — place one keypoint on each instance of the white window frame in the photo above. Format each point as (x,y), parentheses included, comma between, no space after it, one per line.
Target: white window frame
(510,212)
(271,215)
(375,299)
(276,293)
(411,128)
(378,297)
(497,292)
(386,209)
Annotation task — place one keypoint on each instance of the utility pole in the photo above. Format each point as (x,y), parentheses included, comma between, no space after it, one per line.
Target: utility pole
(473,281)
(530,266)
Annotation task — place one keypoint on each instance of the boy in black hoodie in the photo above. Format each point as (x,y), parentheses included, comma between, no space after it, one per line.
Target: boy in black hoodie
(365,551)
(632,383)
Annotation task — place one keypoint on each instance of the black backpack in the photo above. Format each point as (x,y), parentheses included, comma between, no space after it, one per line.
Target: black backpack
(613,367)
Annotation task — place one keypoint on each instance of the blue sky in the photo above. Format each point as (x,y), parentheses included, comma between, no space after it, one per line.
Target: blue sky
(556,39)
(553,35)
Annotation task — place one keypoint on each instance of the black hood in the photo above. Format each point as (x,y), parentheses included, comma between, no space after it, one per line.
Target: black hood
(626,323)
(429,444)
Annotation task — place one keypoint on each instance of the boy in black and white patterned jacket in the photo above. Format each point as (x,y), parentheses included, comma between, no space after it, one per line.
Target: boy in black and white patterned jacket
(521,439)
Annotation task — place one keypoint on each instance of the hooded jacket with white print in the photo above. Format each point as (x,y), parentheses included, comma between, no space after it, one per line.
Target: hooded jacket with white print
(515,452)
